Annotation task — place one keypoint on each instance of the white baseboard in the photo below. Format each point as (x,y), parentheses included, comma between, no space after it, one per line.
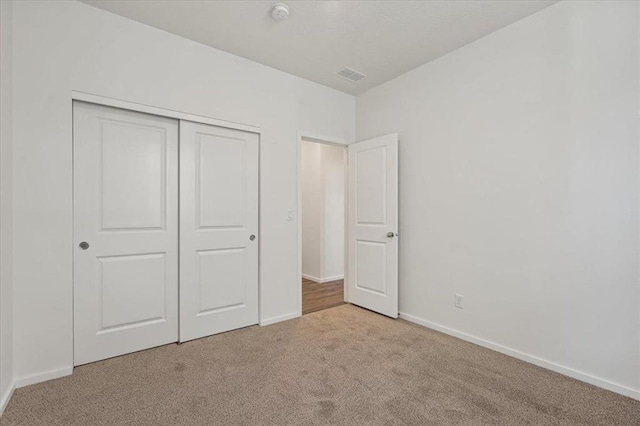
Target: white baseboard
(323,280)
(311,278)
(280,318)
(7,397)
(567,371)
(43,377)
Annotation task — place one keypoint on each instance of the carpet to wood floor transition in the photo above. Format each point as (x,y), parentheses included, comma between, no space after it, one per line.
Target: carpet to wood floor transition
(343,365)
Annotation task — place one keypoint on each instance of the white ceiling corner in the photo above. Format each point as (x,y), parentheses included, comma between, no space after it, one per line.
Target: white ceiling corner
(382,39)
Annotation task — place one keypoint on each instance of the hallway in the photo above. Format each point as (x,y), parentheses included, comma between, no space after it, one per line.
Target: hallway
(317,296)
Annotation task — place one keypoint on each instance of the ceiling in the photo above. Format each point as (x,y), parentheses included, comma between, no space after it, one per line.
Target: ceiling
(382,39)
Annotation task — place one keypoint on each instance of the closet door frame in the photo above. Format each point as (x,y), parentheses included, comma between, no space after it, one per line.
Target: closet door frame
(133,106)
(181,116)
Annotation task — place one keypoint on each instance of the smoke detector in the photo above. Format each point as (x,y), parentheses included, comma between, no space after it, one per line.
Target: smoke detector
(280,11)
(351,74)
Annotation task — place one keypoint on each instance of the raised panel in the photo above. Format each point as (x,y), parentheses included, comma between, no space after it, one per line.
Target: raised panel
(370,266)
(132,290)
(371,186)
(221,181)
(133,176)
(221,277)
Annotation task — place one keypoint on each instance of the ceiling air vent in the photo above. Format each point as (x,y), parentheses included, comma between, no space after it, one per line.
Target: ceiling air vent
(351,75)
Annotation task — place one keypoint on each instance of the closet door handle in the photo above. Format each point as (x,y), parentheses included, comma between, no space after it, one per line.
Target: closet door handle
(84,245)
(252,237)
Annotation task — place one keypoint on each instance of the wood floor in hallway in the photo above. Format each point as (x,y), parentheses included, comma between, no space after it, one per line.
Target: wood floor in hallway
(316,296)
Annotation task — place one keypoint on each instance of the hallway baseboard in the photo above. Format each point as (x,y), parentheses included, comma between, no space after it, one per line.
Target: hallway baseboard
(322,280)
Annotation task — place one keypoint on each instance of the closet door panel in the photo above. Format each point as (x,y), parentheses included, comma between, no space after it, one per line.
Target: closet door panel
(218,230)
(125,231)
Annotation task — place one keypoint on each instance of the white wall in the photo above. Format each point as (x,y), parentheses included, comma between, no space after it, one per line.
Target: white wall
(519,189)
(322,174)
(312,209)
(6,290)
(333,243)
(64,46)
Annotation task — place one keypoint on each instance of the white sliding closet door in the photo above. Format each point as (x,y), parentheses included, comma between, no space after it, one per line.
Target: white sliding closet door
(218,229)
(125,231)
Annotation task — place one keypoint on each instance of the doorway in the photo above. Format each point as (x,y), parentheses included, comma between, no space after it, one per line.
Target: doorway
(322,217)
(370,225)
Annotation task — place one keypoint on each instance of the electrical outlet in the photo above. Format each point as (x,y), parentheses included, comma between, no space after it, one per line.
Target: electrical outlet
(289,215)
(459,301)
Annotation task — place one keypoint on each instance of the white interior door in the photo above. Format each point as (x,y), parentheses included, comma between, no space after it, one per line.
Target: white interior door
(218,229)
(125,231)
(373,224)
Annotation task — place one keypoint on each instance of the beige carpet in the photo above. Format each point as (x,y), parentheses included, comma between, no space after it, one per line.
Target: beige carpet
(344,365)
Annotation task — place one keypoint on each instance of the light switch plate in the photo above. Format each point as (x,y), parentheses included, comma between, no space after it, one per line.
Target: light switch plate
(459,301)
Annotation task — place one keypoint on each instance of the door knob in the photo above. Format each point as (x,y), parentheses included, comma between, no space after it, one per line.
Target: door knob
(390,235)
(252,237)
(84,245)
